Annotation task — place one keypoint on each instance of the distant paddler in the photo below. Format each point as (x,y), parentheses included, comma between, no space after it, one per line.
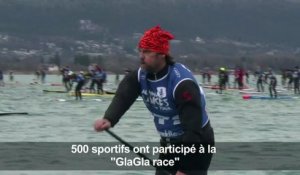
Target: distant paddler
(272,85)
(296,79)
(100,77)
(1,78)
(92,72)
(79,78)
(43,76)
(223,77)
(240,78)
(66,77)
(37,74)
(289,75)
(117,79)
(11,76)
(260,81)
(247,74)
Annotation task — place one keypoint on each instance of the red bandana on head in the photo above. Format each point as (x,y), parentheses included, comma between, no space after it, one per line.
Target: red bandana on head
(156,40)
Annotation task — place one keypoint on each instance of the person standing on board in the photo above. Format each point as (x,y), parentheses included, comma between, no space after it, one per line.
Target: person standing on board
(79,78)
(173,97)
(272,85)
(1,78)
(66,77)
(204,76)
(247,75)
(93,82)
(11,76)
(240,78)
(283,77)
(99,81)
(259,82)
(222,79)
(290,79)
(296,79)
(43,76)
(209,77)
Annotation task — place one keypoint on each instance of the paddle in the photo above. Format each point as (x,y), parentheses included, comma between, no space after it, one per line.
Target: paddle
(131,148)
(55,91)
(13,113)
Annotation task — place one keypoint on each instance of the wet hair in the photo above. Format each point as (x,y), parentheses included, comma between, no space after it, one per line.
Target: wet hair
(169,60)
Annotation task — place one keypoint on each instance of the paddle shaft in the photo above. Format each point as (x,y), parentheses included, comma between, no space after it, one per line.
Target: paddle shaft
(14,113)
(127,144)
(131,148)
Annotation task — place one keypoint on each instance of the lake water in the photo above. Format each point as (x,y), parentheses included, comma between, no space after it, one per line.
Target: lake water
(60,118)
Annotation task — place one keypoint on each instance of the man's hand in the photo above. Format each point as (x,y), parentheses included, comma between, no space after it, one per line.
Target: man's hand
(102,124)
(180,173)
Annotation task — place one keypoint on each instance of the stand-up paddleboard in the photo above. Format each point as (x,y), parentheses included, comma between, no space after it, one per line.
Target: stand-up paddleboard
(54,91)
(250,92)
(109,92)
(73,100)
(56,84)
(248,97)
(34,83)
(94,94)
(244,88)
(13,113)
(216,87)
(280,93)
(223,92)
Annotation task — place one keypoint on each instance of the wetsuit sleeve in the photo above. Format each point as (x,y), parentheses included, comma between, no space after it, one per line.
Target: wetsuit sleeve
(126,94)
(188,101)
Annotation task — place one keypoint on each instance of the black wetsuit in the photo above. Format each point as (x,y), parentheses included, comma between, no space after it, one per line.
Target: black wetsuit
(1,79)
(296,79)
(80,82)
(222,81)
(247,77)
(204,77)
(66,79)
(259,83)
(290,80)
(1,75)
(11,76)
(93,82)
(43,76)
(272,86)
(208,78)
(189,115)
(283,77)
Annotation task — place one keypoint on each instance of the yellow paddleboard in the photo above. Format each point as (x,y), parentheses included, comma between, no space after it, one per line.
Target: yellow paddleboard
(93,94)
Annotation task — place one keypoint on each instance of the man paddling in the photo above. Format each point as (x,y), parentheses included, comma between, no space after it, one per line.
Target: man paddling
(179,108)
(79,78)
(272,85)
(1,78)
(66,77)
(296,79)
(223,77)
(259,82)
